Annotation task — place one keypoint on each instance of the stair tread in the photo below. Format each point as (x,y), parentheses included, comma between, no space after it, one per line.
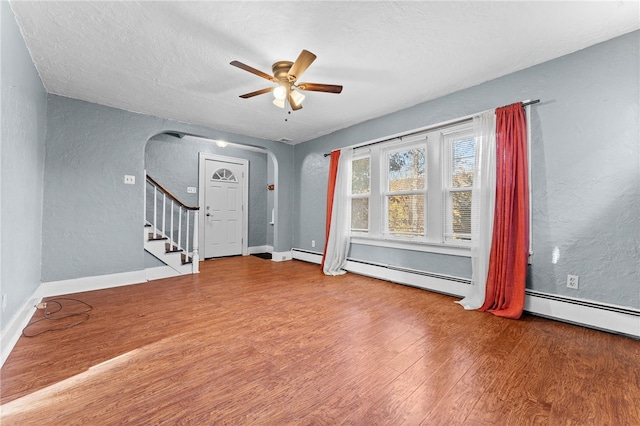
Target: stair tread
(185,259)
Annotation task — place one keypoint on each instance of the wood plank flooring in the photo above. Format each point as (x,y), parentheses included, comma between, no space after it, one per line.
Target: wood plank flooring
(250,341)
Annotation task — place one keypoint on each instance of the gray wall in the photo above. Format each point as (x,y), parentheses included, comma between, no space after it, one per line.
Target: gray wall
(586,174)
(89,150)
(585,170)
(173,162)
(21,169)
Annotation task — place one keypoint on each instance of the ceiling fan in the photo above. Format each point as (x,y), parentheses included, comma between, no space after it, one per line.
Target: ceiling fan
(285,75)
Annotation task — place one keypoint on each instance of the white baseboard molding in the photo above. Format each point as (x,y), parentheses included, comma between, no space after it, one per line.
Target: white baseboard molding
(13,330)
(160,272)
(99,282)
(601,316)
(281,256)
(260,249)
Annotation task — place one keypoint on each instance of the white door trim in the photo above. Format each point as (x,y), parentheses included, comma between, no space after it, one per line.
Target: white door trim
(202,158)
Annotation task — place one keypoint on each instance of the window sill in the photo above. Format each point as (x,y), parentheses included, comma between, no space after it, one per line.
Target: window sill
(449,249)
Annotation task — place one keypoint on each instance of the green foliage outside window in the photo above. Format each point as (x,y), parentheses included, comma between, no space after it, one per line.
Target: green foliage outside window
(406,211)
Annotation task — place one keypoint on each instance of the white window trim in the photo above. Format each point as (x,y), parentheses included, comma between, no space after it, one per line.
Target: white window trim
(434,239)
(449,135)
(355,157)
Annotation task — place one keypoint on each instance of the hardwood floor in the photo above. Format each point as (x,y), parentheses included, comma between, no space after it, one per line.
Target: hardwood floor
(250,341)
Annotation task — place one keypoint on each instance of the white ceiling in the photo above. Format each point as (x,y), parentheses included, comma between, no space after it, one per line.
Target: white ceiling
(171,59)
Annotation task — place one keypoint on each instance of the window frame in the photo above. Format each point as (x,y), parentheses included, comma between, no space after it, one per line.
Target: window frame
(451,135)
(353,196)
(433,240)
(386,192)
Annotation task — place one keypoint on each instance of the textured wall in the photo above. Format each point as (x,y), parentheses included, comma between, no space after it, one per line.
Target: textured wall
(92,220)
(457,266)
(21,170)
(173,162)
(585,168)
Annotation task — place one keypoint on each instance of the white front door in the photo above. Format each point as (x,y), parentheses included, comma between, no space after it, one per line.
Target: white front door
(223,213)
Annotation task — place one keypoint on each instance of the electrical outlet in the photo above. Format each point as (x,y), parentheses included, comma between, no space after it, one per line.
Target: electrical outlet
(313,243)
(572,281)
(129,179)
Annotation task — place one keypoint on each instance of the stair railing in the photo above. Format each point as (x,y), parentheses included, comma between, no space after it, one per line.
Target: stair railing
(159,201)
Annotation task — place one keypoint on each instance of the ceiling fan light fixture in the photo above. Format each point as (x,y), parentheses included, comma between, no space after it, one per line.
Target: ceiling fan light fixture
(285,75)
(297,97)
(280,93)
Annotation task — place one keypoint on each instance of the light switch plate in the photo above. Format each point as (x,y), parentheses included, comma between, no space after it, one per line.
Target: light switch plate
(129,179)
(191,189)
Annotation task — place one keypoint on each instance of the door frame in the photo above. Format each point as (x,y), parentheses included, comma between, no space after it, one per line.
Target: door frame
(202,158)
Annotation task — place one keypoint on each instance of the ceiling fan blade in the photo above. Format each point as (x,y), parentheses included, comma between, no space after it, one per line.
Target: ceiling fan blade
(252,70)
(301,64)
(257,92)
(294,106)
(315,87)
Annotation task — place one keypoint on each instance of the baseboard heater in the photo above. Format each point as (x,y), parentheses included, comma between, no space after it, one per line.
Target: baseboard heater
(299,250)
(440,283)
(386,266)
(601,316)
(598,315)
(587,303)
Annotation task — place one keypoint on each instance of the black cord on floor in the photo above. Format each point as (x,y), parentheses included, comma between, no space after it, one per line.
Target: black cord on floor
(49,315)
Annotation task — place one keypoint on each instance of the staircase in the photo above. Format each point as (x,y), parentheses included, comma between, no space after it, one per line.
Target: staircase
(170,229)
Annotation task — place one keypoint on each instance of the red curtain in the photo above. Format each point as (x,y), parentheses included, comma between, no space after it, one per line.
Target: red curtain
(507,274)
(331,186)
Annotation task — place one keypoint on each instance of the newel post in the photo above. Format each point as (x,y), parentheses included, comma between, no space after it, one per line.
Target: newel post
(195,257)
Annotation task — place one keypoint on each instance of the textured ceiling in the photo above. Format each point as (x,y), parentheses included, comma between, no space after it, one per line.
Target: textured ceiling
(171,59)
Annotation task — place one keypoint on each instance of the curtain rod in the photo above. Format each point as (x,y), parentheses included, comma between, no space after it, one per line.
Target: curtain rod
(524,104)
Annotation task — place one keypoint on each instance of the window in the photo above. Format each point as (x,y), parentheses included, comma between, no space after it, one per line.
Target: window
(224,175)
(460,160)
(415,190)
(405,192)
(360,190)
